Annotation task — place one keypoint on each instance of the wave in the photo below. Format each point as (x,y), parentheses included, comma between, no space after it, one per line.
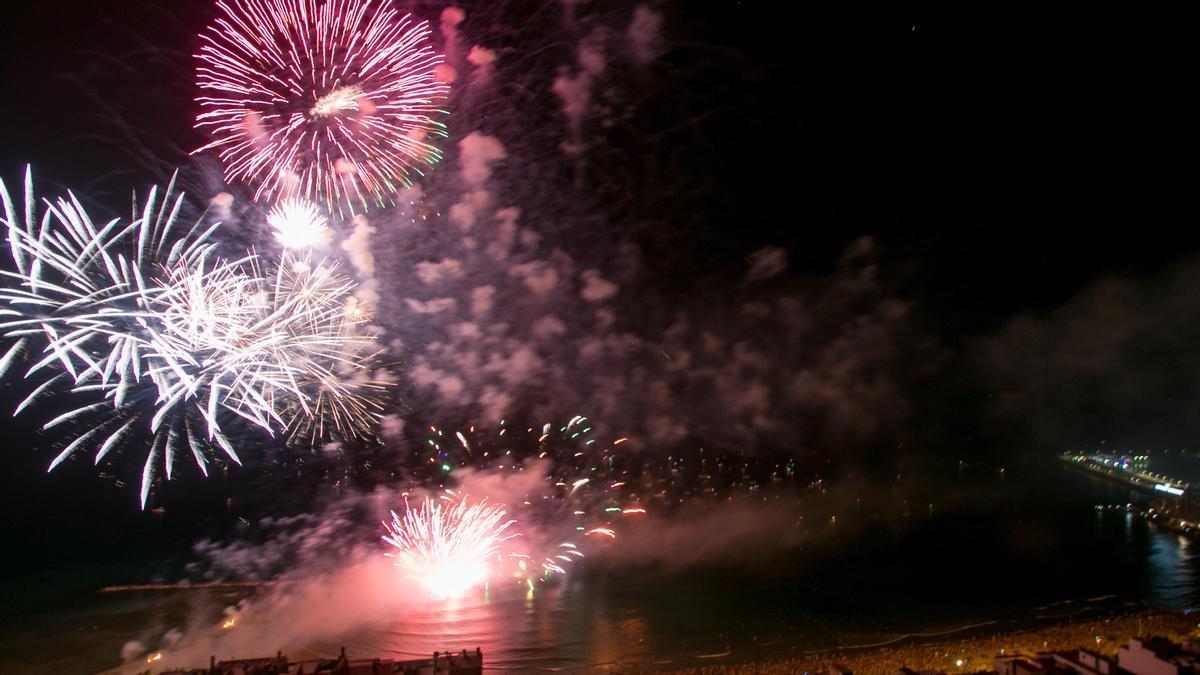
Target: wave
(906,636)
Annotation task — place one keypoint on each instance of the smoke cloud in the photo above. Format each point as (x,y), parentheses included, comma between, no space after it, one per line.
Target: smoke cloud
(1113,366)
(510,291)
(643,33)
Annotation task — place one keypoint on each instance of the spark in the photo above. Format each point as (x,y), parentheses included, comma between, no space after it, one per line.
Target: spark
(149,330)
(331,100)
(566,504)
(298,224)
(337,101)
(446,548)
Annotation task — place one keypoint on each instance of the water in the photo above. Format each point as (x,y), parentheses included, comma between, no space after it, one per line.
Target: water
(1016,553)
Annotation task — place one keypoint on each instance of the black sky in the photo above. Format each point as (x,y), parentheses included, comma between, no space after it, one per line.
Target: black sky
(1002,162)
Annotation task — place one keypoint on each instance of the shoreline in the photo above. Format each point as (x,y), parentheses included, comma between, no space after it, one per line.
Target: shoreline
(978,653)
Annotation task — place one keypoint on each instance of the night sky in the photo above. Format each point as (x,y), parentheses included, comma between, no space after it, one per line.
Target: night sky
(1012,181)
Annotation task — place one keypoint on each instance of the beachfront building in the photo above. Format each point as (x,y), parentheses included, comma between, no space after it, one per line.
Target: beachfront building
(1156,656)
(1085,662)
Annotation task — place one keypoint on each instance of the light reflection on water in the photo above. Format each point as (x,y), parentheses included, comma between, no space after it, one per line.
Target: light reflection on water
(1172,564)
(1099,561)
(680,620)
(617,619)
(554,626)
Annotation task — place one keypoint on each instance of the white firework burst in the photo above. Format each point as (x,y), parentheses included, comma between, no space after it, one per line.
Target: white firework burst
(447,548)
(298,224)
(150,331)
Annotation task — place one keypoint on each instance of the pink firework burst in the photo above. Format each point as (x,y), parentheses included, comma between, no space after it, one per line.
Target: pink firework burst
(329,100)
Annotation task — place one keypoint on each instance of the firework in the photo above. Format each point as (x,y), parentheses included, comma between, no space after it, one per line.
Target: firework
(150,331)
(330,100)
(575,504)
(298,224)
(447,548)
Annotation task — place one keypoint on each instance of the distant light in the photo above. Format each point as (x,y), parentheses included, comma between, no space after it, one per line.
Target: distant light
(1169,489)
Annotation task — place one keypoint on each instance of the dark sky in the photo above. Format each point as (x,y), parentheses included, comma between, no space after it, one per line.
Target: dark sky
(1004,164)
(1005,160)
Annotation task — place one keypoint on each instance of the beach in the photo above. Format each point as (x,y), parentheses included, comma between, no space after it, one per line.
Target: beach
(975,654)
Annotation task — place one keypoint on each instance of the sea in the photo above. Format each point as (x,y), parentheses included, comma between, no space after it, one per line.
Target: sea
(1034,548)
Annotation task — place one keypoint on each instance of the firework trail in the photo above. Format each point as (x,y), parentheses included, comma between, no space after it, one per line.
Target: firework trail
(150,330)
(446,548)
(329,100)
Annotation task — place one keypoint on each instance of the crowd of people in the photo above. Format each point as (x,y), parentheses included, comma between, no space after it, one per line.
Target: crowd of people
(975,654)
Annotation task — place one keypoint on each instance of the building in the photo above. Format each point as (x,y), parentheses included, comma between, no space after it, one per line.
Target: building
(1085,662)
(1156,656)
(1142,656)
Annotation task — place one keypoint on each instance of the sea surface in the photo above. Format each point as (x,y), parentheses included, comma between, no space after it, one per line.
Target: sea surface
(1030,550)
